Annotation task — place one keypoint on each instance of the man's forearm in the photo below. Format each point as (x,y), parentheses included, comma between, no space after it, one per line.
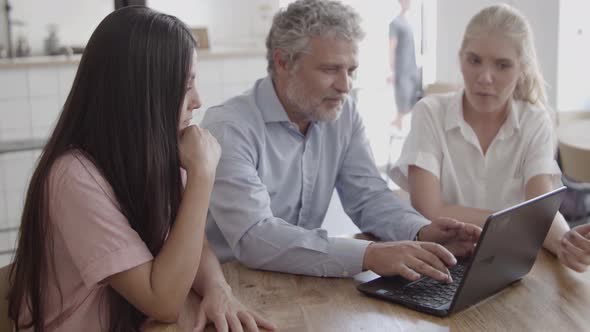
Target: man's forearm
(300,251)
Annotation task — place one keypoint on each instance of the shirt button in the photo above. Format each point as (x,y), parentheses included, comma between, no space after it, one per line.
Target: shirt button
(345,274)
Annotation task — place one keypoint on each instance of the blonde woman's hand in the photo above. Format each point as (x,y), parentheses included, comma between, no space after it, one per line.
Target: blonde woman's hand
(574,248)
(458,237)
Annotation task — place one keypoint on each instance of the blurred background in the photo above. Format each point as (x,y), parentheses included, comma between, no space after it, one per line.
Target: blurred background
(41,42)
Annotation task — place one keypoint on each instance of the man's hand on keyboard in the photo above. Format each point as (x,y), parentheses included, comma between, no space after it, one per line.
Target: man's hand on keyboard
(410,259)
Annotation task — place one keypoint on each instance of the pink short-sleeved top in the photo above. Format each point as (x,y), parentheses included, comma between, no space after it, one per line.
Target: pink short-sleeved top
(92,241)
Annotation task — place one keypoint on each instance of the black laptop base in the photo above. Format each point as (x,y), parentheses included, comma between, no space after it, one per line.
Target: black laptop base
(506,251)
(425,294)
(419,298)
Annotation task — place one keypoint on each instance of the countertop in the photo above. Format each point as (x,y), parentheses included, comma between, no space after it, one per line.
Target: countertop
(22,145)
(204,54)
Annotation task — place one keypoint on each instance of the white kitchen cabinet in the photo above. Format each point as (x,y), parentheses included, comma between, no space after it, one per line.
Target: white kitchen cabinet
(13,83)
(15,118)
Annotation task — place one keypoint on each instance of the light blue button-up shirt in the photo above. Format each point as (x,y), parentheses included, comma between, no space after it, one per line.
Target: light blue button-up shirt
(273,187)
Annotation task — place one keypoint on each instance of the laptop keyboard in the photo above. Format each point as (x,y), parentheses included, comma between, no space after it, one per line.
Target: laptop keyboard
(429,292)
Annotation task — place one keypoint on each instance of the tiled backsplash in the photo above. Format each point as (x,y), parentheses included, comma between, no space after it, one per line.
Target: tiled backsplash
(15,171)
(31,99)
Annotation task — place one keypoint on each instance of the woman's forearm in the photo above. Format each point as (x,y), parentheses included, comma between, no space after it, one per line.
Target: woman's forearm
(539,185)
(159,287)
(464,214)
(209,274)
(558,228)
(175,267)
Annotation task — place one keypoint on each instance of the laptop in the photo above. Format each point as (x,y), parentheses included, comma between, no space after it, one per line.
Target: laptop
(506,251)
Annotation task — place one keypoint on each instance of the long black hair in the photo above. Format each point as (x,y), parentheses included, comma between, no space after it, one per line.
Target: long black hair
(122,113)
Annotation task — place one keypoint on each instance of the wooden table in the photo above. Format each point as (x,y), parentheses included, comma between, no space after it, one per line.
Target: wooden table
(550,298)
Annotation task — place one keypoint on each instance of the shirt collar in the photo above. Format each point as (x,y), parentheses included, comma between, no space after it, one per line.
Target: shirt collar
(268,102)
(454,116)
(512,123)
(454,113)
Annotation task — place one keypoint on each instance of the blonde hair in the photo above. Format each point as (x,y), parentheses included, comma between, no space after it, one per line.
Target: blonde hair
(509,22)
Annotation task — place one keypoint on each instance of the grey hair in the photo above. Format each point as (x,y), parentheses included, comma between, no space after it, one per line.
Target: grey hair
(508,21)
(293,27)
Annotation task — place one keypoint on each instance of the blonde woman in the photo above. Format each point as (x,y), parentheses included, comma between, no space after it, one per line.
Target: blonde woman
(491,144)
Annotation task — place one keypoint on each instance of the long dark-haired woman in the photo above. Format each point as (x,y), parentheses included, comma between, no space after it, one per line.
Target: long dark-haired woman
(112,228)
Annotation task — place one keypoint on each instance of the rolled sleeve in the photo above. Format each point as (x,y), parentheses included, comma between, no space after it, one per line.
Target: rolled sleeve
(542,166)
(422,147)
(540,157)
(425,160)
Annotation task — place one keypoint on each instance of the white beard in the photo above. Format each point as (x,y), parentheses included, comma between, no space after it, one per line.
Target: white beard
(308,107)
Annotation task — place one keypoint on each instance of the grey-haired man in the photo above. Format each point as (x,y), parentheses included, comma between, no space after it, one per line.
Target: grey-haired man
(288,142)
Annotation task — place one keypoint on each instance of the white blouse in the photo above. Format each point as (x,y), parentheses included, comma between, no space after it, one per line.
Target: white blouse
(441,142)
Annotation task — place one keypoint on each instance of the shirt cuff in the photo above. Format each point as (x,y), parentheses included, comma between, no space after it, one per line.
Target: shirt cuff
(425,160)
(350,253)
(417,224)
(548,167)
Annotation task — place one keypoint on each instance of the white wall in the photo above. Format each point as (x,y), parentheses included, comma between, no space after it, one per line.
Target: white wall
(574,56)
(193,13)
(230,22)
(453,16)
(234,22)
(3,32)
(76,20)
